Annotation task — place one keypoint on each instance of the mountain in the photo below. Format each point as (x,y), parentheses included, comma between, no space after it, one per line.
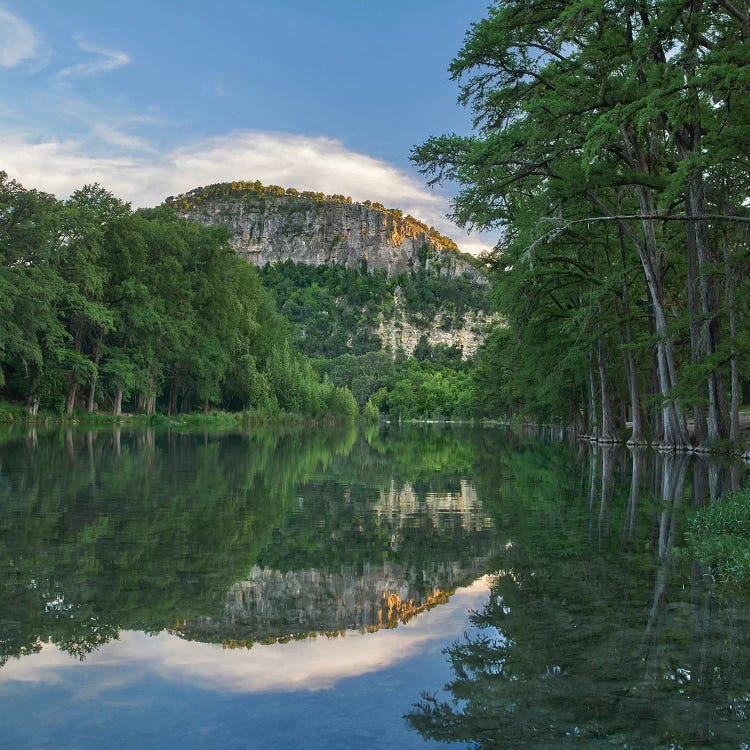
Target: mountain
(353,277)
(269,224)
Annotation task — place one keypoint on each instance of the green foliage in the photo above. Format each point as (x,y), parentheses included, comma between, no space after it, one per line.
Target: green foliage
(336,309)
(371,413)
(593,122)
(719,535)
(424,391)
(140,309)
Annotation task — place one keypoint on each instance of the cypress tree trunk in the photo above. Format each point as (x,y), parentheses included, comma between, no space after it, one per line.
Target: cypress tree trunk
(608,432)
(172,398)
(675,427)
(636,434)
(695,206)
(593,420)
(700,424)
(734,412)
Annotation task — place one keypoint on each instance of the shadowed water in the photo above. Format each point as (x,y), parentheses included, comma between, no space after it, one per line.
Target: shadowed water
(330,588)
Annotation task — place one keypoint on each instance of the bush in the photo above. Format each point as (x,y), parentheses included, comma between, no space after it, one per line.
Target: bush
(719,535)
(371,412)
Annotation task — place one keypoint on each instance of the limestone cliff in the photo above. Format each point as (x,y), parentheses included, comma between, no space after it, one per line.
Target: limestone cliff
(270,224)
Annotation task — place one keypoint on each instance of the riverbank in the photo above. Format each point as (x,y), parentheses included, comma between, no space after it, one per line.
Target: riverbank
(13,414)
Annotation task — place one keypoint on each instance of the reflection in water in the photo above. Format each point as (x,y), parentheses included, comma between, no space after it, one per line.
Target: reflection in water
(313,663)
(223,538)
(352,556)
(616,643)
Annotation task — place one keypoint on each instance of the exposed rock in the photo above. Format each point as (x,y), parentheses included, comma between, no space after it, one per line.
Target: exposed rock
(268,225)
(399,333)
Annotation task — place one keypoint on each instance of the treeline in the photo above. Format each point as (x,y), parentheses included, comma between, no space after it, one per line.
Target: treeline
(105,308)
(435,383)
(611,148)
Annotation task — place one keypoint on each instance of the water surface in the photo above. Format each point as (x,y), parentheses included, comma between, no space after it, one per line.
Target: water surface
(331,588)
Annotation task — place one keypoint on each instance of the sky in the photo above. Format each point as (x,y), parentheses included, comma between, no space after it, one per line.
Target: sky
(151,99)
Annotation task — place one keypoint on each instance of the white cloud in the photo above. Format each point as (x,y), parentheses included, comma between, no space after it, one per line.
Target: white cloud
(307,163)
(105,61)
(17,40)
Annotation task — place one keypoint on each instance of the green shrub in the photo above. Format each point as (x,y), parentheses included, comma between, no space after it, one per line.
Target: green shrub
(719,535)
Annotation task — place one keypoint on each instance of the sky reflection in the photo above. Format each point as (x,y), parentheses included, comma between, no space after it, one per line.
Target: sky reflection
(315,664)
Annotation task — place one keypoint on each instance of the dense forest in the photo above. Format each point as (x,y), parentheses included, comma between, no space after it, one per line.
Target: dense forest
(610,149)
(103,308)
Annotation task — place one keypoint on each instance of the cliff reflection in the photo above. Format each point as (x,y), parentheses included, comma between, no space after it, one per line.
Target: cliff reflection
(597,634)
(225,537)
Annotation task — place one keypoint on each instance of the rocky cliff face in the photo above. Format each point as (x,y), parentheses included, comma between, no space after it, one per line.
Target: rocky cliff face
(399,333)
(270,224)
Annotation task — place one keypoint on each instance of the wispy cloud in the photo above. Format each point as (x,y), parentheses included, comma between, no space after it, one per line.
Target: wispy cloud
(145,179)
(17,40)
(105,60)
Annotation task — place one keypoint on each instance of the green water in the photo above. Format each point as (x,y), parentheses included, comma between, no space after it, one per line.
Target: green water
(344,588)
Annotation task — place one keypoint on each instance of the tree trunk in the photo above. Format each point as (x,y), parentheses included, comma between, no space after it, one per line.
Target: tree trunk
(117,405)
(593,420)
(695,206)
(92,384)
(734,411)
(675,427)
(608,432)
(700,424)
(636,434)
(70,402)
(172,408)
(32,404)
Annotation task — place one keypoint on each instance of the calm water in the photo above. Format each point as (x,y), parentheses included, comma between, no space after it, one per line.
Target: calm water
(332,589)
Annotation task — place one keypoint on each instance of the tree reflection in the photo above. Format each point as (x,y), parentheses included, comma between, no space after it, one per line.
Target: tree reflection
(155,529)
(107,530)
(605,640)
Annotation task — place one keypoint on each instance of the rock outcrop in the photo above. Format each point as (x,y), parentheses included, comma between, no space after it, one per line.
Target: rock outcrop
(270,224)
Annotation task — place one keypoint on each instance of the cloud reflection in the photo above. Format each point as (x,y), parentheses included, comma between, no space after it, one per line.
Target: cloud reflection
(314,664)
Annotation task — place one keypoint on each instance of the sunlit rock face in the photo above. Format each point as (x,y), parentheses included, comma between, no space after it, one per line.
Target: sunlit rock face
(268,228)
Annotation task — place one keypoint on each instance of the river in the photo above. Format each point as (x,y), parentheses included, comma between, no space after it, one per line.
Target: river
(343,588)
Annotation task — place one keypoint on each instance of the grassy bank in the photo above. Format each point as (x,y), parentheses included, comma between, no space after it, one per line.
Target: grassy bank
(14,414)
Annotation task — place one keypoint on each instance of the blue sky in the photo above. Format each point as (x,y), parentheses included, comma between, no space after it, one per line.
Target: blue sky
(153,98)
